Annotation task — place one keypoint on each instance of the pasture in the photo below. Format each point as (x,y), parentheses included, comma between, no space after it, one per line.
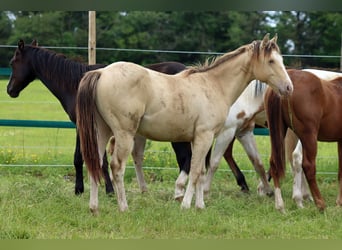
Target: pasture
(37,198)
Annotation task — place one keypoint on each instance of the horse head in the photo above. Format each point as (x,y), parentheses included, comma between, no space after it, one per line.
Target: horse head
(22,71)
(268,65)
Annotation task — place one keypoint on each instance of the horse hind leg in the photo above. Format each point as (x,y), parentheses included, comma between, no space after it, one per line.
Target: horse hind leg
(309,168)
(248,142)
(138,157)
(221,144)
(300,188)
(106,175)
(78,163)
(339,177)
(118,165)
(239,176)
(183,155)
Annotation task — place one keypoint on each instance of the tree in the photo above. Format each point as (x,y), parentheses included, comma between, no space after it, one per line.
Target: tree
(299,32)
(5,32)
(310,33)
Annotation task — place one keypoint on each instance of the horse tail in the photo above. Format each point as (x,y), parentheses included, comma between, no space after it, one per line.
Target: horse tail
(277,133)
(86,122)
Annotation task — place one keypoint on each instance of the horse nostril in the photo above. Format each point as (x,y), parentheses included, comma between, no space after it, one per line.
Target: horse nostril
(289,88)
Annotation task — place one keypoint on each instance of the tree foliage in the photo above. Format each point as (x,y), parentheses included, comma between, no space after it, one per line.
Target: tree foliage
(309,33)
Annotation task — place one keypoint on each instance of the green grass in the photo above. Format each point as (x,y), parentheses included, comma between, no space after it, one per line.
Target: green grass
(38,202)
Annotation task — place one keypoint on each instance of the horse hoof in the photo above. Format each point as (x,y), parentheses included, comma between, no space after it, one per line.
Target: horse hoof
(270,193)
(179,198)
(94,211)
(79,191)
(200,206)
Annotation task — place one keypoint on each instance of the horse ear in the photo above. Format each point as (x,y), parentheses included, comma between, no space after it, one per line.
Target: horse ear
(265,40)
(34,43)
(21,44)
(274,39)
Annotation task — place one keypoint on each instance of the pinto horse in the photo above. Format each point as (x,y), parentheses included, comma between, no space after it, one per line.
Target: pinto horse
(125,99)
(239,124)
(311,112)
(62,76)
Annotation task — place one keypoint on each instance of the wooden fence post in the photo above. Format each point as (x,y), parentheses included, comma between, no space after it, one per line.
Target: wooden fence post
(92,38)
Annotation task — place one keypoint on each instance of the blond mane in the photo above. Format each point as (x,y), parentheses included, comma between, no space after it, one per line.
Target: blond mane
(211,63)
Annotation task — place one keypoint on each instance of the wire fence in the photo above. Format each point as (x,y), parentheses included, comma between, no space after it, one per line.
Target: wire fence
(167,51)
(241,154)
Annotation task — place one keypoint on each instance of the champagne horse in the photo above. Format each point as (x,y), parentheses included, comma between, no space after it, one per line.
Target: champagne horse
(125,99)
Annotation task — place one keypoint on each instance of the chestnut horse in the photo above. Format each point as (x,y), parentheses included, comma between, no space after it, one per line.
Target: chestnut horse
(125,99)
(311,112)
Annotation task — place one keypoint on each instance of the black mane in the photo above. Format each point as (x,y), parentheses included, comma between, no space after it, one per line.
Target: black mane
(56,67)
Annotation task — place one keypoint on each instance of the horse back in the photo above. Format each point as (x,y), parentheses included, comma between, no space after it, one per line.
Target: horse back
(139,97)
(314,105)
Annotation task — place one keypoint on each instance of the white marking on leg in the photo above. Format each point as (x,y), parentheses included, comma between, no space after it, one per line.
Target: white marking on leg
(297,172)
(199,192)
(279,202)
(186,203)
(93,200)
(180,186)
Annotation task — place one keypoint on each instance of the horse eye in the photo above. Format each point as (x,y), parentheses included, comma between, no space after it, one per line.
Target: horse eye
(271,61)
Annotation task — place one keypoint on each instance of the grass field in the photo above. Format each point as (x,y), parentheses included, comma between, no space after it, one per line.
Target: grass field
(37,182)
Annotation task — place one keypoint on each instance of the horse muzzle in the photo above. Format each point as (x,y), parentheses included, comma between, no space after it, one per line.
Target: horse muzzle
(286,90)
(11,92)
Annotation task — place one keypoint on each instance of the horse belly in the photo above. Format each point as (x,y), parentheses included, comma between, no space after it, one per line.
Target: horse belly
(166,129)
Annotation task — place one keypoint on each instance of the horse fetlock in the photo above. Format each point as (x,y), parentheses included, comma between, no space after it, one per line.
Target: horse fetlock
(339,201)
(143,189)
(299,200)
(179,193)
(185,205)
(320,204)
(179,198)
(200,205)
(123,207)
(264,190)
(94,210)
(79,191)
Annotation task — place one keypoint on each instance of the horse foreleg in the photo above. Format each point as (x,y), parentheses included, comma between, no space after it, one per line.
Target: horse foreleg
(248,142)
(339,196)
(78,163)
(201,146)
(221,143)
(138,157)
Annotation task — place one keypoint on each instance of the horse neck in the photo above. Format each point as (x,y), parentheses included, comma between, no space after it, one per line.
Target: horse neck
(61,79)
(232,76)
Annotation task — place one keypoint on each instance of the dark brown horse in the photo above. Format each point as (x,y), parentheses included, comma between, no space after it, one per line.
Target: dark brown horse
(312,112)
(61,76)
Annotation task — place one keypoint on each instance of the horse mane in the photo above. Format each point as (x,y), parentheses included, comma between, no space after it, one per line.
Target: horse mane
(211,63)
(56,67)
